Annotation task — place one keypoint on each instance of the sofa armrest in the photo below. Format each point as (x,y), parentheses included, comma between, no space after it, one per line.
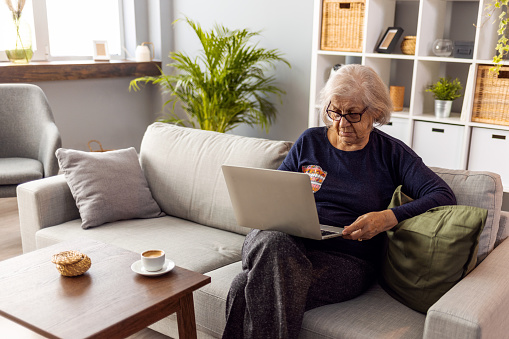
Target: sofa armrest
(43,203)
(478,305)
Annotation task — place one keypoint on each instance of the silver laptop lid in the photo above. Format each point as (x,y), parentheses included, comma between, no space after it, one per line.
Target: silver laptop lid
(273,200)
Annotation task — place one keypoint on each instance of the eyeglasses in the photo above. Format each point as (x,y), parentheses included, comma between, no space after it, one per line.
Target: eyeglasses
(350,117)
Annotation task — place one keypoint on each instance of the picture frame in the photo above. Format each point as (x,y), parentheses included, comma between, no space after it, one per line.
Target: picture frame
(101,50)
(389,40)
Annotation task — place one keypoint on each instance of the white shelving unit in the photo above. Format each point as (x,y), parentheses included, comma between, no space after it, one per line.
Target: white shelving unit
(455,142)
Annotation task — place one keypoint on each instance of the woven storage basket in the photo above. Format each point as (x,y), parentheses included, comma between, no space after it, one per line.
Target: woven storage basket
(491,100)
(342,25)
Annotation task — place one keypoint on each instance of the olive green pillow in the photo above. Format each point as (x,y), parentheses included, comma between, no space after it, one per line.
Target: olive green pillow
(429,253)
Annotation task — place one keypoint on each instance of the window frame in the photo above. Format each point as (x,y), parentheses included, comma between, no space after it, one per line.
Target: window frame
(41,31)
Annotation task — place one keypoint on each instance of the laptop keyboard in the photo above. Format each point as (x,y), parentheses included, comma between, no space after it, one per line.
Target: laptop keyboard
(325,233)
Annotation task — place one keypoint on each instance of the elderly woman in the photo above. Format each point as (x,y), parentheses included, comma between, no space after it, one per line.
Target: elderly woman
(359,168)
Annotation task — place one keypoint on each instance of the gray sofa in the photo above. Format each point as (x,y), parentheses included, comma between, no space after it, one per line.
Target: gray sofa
(182,167)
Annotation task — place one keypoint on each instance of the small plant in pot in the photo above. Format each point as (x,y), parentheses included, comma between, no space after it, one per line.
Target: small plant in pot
(445,92)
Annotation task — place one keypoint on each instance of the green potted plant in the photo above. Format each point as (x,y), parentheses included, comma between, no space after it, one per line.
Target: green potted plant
(224,86)
(445,92)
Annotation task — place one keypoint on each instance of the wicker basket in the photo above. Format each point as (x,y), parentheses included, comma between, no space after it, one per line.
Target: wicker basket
(342,25)
(71,263)
(408,45)
(100,147)
(491,100)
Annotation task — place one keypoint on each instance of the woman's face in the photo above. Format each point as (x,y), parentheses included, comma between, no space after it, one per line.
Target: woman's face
(346,135)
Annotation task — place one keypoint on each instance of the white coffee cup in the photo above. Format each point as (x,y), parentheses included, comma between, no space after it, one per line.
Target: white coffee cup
(153,260)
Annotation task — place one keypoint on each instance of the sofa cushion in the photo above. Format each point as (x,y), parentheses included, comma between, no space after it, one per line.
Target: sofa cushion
(183,169)
(468,187)
(429,253)
(189,245)
(107,186)
(374,314)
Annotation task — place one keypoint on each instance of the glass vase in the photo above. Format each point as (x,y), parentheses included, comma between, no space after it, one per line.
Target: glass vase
(19,48)
(442,47)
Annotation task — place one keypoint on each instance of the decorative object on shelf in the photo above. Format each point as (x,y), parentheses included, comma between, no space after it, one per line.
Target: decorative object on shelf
(342,25)
(389,40)
(143,52)
(445,92)
(442,47)
(101,50)
(397,94)
(225,86)
(463,49)
(491,99)
(19,46)
(408,45)
(71,263)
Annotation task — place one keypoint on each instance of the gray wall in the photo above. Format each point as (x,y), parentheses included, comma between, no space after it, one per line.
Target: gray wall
(105,110)
(101,109)
(285,25)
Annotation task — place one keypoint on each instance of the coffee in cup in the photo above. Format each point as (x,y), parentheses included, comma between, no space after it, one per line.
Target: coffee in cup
(153,260)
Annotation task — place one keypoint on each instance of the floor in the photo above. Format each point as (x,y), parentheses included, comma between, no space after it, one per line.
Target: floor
(10,246)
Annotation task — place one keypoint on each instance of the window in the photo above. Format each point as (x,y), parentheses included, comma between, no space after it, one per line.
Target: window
(73,25)
(66,29)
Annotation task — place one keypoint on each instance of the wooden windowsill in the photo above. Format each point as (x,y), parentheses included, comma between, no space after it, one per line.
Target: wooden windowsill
(75,70)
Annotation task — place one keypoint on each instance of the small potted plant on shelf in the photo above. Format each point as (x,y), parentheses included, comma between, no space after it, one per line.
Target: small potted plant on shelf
(445,92)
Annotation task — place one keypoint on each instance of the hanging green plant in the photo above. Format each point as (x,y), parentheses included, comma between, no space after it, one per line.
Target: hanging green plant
(502,48)
(224,86)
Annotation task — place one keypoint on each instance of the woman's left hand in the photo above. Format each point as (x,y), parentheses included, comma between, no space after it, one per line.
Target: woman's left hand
(370,224)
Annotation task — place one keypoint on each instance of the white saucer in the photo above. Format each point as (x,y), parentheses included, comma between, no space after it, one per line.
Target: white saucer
(138,268)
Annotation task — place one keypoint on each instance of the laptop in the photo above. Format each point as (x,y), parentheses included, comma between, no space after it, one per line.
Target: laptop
(275,200)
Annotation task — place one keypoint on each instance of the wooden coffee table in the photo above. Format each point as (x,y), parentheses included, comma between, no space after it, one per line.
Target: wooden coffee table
(109,301)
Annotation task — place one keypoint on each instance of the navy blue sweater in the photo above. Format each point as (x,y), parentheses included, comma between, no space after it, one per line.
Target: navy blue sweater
(350,184)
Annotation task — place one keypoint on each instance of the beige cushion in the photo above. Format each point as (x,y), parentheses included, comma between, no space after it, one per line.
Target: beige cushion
(468,186)
(107,186)
(183,170)
(189,245)
(374,314)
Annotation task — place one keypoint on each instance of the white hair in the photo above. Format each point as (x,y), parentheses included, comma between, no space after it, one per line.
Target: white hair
(357,82)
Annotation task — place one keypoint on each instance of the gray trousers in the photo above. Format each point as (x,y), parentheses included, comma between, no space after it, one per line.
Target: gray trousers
(284,276)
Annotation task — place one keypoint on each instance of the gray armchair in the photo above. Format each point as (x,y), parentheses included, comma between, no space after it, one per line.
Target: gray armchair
(28,137)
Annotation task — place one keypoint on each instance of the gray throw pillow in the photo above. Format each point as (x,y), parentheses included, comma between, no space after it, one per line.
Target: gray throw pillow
(107,186)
